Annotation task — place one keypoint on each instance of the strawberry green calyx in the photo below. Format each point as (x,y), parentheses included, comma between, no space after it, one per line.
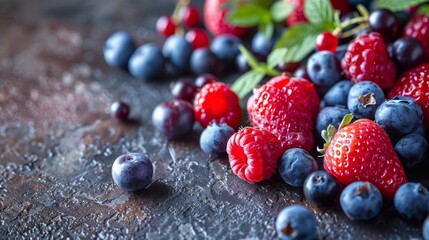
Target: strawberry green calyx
(330,132)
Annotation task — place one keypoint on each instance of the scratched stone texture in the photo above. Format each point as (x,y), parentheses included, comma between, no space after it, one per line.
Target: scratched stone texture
(57,142)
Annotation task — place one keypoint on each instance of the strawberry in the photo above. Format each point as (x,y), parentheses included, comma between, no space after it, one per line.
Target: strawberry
(415,84)
(215,19)
(362,151)
(287,107)
(297,15)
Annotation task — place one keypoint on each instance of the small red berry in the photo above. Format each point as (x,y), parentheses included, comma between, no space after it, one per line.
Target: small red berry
(254,153)
(191,17)
(198,38)
(216,103)
(120,110)
(326,41)
(165,26)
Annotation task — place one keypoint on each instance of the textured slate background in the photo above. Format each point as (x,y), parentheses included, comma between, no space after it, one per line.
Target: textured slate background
(57,143)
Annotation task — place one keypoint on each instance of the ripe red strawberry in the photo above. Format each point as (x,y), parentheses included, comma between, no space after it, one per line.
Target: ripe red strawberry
(215,19)
(288,108)
(216,103)
(367,59)
(362,151)
(297,15)
(414,83)
(254,153)
(418,28)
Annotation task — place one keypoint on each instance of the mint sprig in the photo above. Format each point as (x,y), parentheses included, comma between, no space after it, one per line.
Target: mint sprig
(260,15)
(398,5)
(320,13)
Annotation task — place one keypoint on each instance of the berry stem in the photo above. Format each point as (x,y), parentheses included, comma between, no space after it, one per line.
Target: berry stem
(357,20)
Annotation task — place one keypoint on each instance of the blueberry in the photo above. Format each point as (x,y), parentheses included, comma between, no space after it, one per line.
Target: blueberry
(214,138)
(321,188)
(337,94)
(296,222)
(361,201)
(118,49)
(301,72)
(330,116)
(174,119)
(225,47)
(263,46)
(341,50)
(178,52)
(204,61)
(295,165)
(399,116)
(324,68)
(120,110)
(242,64)
(412,150)
(132,171)
(426,229)
(385,22)
(364,99)
(407,52)
(421,131)
(146,62)
(411,201)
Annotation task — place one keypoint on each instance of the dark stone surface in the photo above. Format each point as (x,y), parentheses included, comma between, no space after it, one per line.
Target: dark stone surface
(57,142)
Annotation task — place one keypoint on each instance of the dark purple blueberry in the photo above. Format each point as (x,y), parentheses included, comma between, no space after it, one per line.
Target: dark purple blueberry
(204,79)
(242,64)
(361,201)
(337,94)
(295,165)
(330,116)
(120,110)
(263,46)
(214,138)
(321,188)
(301,72)
(407,52)
(364,99)
(132,171)
(324,68)
(412,150)
(184,90)
(174,119)
(411,201)
(204,61)
(399,116)
(386,23)
(225,47)
(178,52)
(147,62)
(426,229)
(118,49)
(296,222)
(341,50)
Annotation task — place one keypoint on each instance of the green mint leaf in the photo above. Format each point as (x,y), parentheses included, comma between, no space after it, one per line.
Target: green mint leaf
(320,12)
(424,9)
(398,5)
(246,83)
(253,62)
(276,56)
(280,10)
(299,40)
(267,28)
(247,15)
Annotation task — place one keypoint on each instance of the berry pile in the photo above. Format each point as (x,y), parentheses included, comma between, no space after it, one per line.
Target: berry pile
(358,87)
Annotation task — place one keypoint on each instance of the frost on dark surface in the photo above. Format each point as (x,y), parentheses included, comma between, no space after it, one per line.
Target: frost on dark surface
(58,142)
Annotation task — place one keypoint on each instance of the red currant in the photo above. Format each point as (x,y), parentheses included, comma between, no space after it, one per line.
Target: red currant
(326,41)
(198,38)
(191,17)
(165,26)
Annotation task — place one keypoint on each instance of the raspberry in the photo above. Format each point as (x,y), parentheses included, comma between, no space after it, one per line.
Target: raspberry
(254,154)
(367,59)
(288,108)
(418,27)
(216,103)
(414,84)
